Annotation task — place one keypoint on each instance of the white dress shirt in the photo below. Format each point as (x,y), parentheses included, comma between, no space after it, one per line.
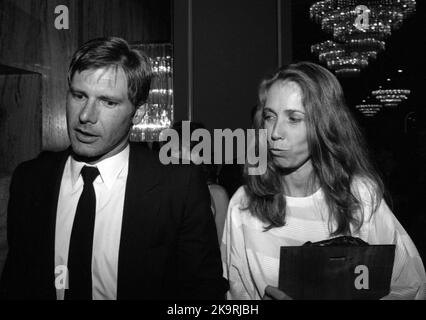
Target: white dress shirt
(110,188)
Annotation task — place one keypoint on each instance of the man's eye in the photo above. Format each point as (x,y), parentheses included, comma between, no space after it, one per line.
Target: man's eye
(109,104)
(267,116)
(78,96)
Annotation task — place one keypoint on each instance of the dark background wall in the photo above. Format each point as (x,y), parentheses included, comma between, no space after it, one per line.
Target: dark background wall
(234,45)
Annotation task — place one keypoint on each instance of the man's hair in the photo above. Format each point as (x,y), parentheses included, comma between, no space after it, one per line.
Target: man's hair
(115,52)
(337,150)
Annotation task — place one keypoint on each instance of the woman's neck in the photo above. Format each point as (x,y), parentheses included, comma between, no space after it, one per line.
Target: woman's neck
(300,182)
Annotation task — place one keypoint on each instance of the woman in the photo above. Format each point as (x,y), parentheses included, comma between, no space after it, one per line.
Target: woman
(319,184)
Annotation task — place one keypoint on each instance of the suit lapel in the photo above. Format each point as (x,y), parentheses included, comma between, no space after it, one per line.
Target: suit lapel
(141,206)
(51,183)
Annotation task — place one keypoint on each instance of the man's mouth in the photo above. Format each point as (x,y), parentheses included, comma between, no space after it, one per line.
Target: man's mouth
(85,136)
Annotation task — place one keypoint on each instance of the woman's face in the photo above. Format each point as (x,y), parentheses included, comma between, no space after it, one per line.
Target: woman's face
(285,122)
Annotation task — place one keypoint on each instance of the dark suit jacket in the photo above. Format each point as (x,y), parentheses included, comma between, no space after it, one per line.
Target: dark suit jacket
(168,248)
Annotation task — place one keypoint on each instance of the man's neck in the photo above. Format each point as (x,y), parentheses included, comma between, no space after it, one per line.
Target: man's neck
(95,160)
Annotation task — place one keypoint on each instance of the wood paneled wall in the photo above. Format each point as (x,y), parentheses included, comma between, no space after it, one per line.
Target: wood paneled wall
(20,119)
(30,41)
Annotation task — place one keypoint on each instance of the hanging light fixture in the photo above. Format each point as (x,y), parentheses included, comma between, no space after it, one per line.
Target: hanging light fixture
(369,107)
(369,110)
(339,17)
(339,58)
(391,97)
(159,114)
(359,29)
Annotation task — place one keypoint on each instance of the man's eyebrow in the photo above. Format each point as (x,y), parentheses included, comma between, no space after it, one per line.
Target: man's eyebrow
(72,89)
(102,97)
(112,98)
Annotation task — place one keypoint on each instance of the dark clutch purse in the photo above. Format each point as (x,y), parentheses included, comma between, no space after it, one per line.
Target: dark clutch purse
(340,268)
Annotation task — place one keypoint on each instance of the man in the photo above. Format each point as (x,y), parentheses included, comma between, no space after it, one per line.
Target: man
(106,212)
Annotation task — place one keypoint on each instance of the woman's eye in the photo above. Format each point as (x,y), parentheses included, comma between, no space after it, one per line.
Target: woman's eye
(294,120)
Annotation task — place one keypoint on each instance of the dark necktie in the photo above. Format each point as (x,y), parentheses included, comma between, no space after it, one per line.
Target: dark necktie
(81,242)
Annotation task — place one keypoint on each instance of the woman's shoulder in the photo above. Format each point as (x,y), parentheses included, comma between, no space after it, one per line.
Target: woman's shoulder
(365,189)
(369,194)
(239,212)
(238,205)
(239,197)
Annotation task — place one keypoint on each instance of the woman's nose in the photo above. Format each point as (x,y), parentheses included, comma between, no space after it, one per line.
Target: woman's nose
(277,131)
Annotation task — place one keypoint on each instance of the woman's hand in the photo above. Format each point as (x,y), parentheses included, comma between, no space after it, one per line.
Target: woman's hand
(273,293)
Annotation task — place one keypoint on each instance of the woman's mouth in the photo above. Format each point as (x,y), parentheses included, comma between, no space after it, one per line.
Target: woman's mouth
(278,152)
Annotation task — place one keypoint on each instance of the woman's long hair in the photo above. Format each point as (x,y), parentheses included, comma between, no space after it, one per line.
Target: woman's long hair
(337,149)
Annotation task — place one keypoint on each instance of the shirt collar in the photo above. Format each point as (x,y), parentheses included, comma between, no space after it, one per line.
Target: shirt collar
(109,168)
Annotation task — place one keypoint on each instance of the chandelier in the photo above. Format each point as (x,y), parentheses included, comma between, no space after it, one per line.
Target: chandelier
(369,110)
(391,97)
(359,29)
(339,17)
(159,113)
(339,58)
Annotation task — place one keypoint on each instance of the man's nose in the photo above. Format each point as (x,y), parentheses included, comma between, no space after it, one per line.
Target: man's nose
(89,112)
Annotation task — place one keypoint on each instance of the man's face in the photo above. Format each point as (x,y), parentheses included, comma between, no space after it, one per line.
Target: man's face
(99,113)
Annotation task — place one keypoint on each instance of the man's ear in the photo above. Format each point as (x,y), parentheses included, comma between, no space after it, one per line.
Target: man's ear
(140,113)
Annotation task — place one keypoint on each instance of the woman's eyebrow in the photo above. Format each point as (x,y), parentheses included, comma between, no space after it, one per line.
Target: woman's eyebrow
(269,110)
(290,111)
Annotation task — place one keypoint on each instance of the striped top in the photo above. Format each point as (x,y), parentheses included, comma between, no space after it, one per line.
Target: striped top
(251,256)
